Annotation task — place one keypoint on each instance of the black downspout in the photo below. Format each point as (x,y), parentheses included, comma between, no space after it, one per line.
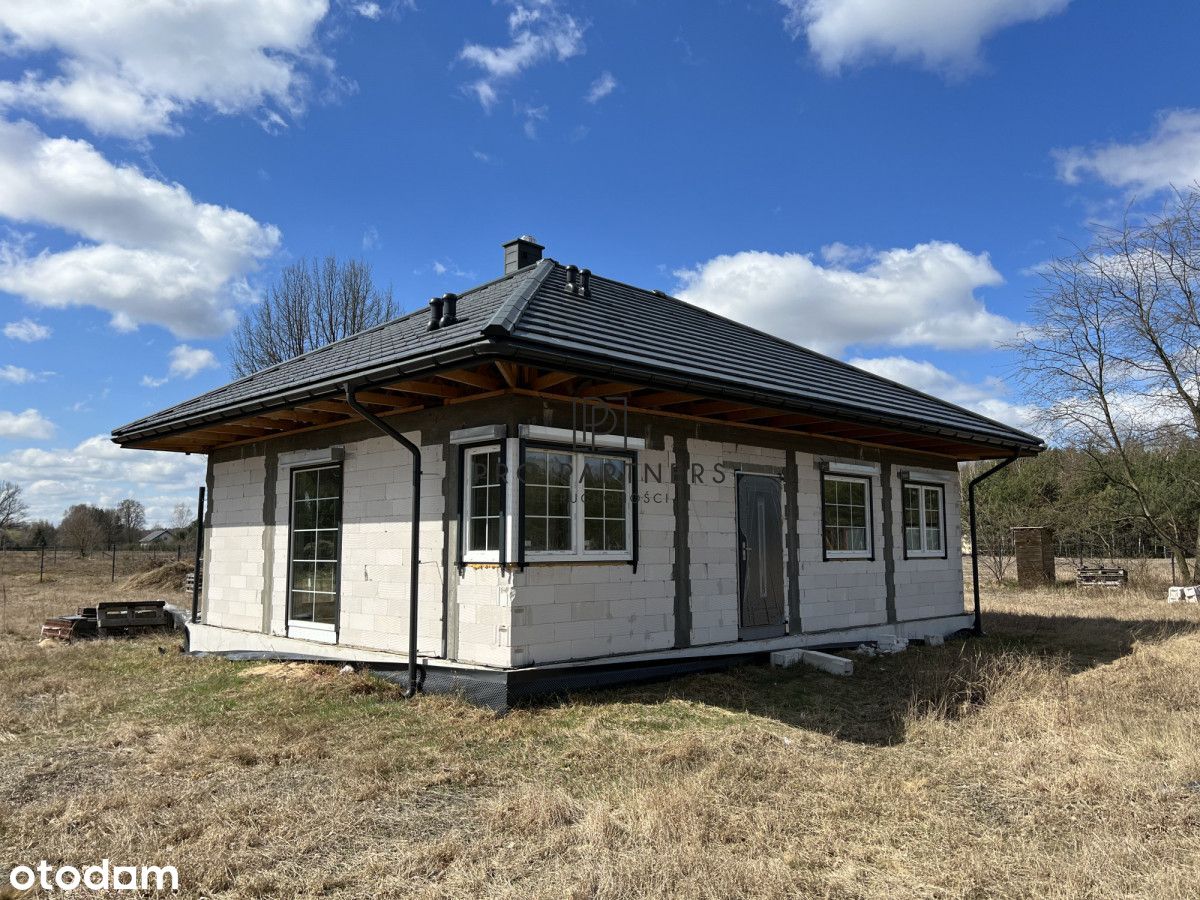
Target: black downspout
(977,628)
(415,559)
(196,573)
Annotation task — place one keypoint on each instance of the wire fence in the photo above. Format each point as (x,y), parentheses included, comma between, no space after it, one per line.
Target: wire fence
(112,564)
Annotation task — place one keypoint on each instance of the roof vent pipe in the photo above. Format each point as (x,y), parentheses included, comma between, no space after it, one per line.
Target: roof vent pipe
(435,313)
(585,277)
(449,309)
(572,278)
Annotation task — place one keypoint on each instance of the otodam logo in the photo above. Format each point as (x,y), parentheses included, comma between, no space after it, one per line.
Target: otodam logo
(102,877)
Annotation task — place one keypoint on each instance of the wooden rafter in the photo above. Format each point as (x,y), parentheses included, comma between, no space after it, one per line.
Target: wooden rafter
(552,379)
(608,389)
(712,407)
(659,399)
(473,378)
(508,372)
(425,389)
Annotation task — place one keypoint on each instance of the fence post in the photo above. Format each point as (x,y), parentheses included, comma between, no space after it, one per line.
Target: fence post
(42,565)
(114,564)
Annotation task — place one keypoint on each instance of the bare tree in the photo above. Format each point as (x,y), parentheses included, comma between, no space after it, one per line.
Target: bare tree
(132,516)
(181,516)
(13,507)
(311,305)
(82,529)
(1113,361)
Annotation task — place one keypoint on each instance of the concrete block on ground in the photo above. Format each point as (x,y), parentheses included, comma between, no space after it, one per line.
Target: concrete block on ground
(826,662)
(934,640)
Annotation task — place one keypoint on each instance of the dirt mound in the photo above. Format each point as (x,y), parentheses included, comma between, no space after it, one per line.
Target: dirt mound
(169,576)
(295,672)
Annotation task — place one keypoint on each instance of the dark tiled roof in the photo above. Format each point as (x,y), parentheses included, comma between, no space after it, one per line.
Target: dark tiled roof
(617,329)
(656,331)
(391,343)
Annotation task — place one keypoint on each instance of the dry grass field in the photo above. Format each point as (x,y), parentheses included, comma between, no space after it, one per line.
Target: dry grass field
(1058,757)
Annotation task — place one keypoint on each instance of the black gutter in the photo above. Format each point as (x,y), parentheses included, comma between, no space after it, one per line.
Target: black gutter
(415,558)
(977,627)
(196,573)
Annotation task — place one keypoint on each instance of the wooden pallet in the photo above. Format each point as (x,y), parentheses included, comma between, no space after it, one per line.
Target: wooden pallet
(1101,576)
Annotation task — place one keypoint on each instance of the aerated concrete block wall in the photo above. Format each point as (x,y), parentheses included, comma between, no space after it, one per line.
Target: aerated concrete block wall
(928,588)
(712,531)
(556,612)
(376,540)
(567,611)
(234,577)
(837,593)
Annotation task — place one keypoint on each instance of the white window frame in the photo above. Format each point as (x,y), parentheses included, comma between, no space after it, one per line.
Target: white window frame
(325,632)
(576,553)
(868,502)
(922,487)
(480,556)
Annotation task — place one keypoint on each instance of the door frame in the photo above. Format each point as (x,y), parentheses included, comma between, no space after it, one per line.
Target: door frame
(758,632)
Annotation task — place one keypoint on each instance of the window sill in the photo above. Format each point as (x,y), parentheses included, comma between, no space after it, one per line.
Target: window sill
(842,557)
(924,554)
(312,631)
(578,560)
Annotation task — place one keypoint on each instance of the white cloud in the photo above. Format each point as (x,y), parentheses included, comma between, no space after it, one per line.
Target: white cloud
(26,330)
(533,115)
(1170,156)
(538,31)
(17,375)
(986,398)
(185,362)
(901,297)
(189,361)
(370,238)
(97,471)
(943,35)
(370,11)
(155,254)
(601,88)
(29,425)
(132,69)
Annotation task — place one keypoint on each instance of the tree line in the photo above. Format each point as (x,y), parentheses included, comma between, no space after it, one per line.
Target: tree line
(1093,518)
(86,528)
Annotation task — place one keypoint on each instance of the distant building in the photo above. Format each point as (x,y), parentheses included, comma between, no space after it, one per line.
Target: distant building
(157,537)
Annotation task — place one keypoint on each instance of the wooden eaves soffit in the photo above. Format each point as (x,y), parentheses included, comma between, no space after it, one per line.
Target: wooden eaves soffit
(504,377)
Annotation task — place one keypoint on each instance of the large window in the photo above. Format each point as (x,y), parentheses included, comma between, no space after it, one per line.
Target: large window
(846,517)
(316,528)
(924,525)
(577,505)
(483,504)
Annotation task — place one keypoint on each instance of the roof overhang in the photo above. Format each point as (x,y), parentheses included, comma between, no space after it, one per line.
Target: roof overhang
(488,368)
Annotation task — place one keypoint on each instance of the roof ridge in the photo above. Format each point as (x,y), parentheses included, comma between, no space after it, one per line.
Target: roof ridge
(508,313)
(663,295)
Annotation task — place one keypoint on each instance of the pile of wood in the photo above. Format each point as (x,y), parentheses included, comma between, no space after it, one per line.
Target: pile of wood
(121,617)
(1101,576)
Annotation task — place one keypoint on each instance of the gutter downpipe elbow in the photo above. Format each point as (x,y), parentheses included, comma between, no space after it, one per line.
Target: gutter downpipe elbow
(977,627)
(415,557)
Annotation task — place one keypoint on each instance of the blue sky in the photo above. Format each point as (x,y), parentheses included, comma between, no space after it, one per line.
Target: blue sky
(876,180)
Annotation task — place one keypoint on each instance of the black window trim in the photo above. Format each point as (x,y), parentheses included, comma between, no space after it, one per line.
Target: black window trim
(337,569)
(917,482)
(870,500)
(631,558)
